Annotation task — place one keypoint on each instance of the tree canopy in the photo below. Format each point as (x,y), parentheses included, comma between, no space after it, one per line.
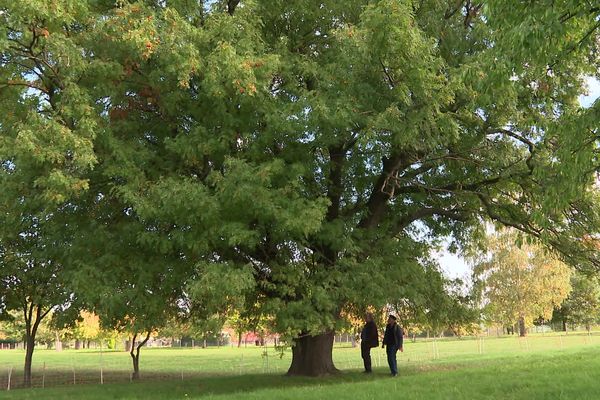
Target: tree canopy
(326,146)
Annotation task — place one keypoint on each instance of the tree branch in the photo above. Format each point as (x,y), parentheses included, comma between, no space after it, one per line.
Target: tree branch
(231,5)
(377,203)
(575,46)
(454,213)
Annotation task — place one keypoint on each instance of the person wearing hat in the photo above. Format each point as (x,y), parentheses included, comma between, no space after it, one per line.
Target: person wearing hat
(369,338)
(393,340)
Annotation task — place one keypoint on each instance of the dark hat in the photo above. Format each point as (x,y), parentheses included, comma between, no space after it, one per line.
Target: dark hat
(392,317)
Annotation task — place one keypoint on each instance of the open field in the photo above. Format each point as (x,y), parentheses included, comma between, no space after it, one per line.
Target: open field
(505,367)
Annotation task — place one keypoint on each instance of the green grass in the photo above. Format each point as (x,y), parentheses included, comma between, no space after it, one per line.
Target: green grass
(508,368)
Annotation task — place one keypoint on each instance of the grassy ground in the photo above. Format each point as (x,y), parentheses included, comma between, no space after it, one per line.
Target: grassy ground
(566,367)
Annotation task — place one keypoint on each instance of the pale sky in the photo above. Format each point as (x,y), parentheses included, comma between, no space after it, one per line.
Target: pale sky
(455,266)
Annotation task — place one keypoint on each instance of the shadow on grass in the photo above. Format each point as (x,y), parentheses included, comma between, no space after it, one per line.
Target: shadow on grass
(208,385)
(238,385)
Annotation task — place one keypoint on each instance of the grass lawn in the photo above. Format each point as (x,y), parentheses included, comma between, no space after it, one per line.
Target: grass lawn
(547,367)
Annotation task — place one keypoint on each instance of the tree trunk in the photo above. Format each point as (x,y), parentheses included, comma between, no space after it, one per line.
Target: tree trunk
(135,355)
(239,339)
(313,355)
(57,342)
(564,325)
(522,330)
(30,341)
(77,344)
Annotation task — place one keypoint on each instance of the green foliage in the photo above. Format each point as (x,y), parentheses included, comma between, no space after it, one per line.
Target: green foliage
(438,305)
(520,281)
(305,155)
(582,307)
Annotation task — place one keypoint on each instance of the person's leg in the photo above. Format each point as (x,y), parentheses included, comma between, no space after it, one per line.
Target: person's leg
(366,356)
(394,365)
(390,357)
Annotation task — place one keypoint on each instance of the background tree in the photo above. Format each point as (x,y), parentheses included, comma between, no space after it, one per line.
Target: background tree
(86,329)
(582,307)
(520,282)
(33,283)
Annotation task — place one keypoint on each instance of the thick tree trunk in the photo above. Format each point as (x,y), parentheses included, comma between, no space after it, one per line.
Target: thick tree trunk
(564,325)
(313,356)
(239,339)
(77,344)
(522,329)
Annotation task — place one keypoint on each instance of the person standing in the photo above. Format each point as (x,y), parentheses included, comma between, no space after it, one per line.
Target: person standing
(369,338)
(393,340)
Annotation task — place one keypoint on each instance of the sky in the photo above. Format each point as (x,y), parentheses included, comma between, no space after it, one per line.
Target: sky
(455,266)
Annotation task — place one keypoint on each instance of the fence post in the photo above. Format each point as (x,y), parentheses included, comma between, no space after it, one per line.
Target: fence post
(9,376)
(561,342)
(267,357)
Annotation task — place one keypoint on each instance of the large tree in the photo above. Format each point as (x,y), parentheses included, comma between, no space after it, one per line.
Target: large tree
(326,145)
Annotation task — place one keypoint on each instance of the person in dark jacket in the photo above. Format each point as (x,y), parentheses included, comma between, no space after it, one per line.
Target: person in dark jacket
(393,340)
(369,338)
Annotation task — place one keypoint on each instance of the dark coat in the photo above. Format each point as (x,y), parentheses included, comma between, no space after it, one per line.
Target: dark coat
(369,335)
(393,336)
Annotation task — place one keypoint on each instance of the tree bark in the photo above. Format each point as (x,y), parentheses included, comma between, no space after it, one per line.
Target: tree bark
(33,317)
(239,339)
(522,329)
(135,355)
(313,355)
(30,343)
(57,342)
